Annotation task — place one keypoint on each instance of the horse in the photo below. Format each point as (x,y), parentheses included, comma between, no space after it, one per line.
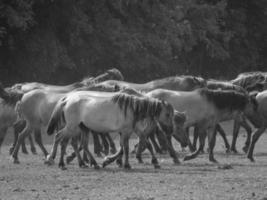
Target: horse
(250,81)
(257,115)
(36,107)
(108,112)
(204,108)
(240,120)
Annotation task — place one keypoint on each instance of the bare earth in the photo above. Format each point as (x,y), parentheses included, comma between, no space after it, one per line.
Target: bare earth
(233,178)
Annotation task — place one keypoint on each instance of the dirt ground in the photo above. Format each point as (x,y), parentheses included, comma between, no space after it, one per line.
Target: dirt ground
(196,179)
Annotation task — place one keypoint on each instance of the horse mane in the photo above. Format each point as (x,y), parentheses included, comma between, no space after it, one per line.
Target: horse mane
(250,80)
(131,91)
(141,107)
(226,99)
(194,80)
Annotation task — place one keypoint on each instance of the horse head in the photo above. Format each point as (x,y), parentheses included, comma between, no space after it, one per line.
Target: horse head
(115,74)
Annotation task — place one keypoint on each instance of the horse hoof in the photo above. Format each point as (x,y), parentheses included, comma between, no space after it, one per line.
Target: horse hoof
(99,155)
(227,151)
(104,164)
(16,161)
(11,150)
(157,166)
(140,161)
(187,158)
(213,160)
(83,166)
(69,159)
(34,151)
(176,162)
(234,151)
(49,161)
(25,152)
(97,167)
(245,149)
(127,166)
(113,151)
(119,163)
(63,167)
(251,159)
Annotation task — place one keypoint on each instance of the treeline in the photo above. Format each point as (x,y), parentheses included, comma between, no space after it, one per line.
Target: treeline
(60,41)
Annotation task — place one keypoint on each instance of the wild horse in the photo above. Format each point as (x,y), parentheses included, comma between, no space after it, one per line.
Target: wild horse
(107,112)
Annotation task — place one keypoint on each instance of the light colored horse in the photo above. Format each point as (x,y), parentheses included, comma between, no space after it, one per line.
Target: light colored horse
(240,120)
(36,108)
(108,112)
(204,108)
(258,117)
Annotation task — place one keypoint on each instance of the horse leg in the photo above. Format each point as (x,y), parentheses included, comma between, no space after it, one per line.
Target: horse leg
(162,140)
(84,142)
(64,144)
(117,156)
(18,127)
(235,134)
(50,158)
(212,141)
(126,150)
(38,139)
(105,143)
(154,160)
(33,149)
(70,157)
(171,150)
(23,147)
(255,138)
(248,129)
(154,142)
(26,131)
(74,144)
(222,133)
(111,144)
(202,137)
(3,133)
(195,137)
(140,148)
(97,145)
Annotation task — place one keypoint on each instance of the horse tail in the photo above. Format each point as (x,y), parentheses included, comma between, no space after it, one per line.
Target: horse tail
(57,119)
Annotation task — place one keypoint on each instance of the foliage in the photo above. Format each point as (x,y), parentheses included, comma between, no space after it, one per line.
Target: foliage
(60,41)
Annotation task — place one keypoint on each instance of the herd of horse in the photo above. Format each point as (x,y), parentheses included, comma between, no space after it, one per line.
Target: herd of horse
(156,112)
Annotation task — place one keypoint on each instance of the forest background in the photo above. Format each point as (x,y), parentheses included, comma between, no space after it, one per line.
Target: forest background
(61,41)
